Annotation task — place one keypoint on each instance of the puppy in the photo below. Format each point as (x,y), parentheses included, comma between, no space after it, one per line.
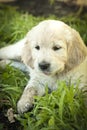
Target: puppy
(52,51)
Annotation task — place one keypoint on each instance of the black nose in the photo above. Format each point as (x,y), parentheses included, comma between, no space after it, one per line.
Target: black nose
(44,65)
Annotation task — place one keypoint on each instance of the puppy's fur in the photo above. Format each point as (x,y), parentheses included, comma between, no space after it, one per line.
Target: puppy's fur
(52,51)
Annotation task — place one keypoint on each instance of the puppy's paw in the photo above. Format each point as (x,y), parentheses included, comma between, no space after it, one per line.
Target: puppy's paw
(26,101)
(23,106)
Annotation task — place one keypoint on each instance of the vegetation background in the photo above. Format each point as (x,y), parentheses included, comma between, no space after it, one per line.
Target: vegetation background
(64,108)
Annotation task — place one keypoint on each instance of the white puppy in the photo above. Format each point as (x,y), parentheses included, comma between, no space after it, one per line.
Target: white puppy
(52,51)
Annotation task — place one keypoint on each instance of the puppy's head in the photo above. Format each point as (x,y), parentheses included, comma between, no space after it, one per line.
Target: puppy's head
(53,47)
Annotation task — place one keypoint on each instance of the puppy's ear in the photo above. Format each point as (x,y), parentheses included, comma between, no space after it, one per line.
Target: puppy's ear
(77,50)
(27,55)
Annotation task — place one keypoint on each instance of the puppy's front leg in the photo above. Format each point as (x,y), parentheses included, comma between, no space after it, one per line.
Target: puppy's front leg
(27,99)
(36,86)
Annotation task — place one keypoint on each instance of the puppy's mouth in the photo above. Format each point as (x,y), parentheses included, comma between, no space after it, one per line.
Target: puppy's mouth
(52,73)
(46,72)
(49,73)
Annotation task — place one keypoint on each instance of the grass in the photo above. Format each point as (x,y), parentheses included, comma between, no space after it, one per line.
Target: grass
(60,110)
(64,108)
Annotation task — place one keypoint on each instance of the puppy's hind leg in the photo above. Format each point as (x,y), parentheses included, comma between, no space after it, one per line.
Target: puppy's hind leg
(15,64)
(12,52)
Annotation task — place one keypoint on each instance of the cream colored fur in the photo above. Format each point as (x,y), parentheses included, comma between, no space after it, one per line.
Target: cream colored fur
(55,44)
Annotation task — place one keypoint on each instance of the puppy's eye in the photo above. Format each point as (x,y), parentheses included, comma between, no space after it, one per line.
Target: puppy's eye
(55,48)
(37,47)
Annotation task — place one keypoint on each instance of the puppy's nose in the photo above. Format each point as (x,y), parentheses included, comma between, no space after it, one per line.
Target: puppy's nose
(44,65)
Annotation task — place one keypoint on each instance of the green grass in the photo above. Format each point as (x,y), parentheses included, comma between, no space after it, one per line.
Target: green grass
(64,108)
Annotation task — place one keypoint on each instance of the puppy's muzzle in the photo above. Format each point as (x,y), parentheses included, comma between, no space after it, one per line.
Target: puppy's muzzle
(44,66)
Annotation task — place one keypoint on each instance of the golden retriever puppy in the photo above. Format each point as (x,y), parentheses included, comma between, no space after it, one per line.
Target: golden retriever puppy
(52,51)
